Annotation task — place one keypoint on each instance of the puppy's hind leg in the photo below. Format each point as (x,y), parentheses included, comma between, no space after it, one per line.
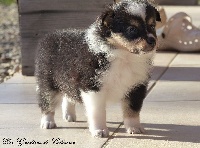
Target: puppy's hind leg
(131,106)
(48,101)
(68,110)
(96,113)
(47,121)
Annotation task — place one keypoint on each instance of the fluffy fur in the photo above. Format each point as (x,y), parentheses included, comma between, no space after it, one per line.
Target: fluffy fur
(111,60)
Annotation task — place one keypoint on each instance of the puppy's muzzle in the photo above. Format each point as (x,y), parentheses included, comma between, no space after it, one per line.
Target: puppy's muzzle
(151,41)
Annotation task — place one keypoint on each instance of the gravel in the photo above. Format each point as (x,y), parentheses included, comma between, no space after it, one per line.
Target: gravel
(10,55)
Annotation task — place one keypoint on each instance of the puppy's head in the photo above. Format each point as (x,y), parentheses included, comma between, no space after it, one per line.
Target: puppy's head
(130,25)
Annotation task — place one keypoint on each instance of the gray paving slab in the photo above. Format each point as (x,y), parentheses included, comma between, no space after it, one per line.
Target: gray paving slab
(17,93)
(161,63)
(186,59)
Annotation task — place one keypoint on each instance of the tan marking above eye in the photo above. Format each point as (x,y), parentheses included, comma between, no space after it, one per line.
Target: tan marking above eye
(135,23)
(151,21)
(132,46)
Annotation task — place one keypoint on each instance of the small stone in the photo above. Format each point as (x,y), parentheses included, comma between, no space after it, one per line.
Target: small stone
(2,71)
(16,68)
(6,60)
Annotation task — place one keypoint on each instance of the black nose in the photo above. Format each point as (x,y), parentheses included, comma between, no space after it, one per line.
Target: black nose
(151,41)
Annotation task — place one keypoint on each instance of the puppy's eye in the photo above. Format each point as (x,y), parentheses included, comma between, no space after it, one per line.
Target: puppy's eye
(132,30)
(131,33)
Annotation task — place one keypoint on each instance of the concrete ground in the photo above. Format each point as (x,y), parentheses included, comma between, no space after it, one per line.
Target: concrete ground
(170,114)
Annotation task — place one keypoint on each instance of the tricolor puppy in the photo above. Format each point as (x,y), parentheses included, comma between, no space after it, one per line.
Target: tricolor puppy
(111,60)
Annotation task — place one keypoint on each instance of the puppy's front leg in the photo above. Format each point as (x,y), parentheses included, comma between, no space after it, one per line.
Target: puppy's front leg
(131,106)
(95,108)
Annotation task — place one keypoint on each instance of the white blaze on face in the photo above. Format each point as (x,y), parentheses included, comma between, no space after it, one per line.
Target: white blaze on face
(137,9)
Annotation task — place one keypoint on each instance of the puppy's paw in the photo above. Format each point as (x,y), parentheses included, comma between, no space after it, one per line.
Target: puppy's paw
(133,126)
(135,130)
(69,118)
(47,125)
(47,121)
(100,133)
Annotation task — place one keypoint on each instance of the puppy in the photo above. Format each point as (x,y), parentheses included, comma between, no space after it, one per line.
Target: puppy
(111,60)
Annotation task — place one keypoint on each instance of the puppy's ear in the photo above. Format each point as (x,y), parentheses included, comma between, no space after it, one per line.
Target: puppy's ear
(107,18)
(158,19)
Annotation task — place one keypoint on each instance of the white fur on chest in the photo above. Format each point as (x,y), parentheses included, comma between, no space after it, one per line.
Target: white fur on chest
(126,72)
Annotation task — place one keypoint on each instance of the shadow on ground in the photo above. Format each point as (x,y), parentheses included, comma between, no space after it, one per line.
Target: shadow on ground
(179,73)
(167,132)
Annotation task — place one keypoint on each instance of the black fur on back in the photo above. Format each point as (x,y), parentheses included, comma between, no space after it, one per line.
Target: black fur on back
(64,63)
